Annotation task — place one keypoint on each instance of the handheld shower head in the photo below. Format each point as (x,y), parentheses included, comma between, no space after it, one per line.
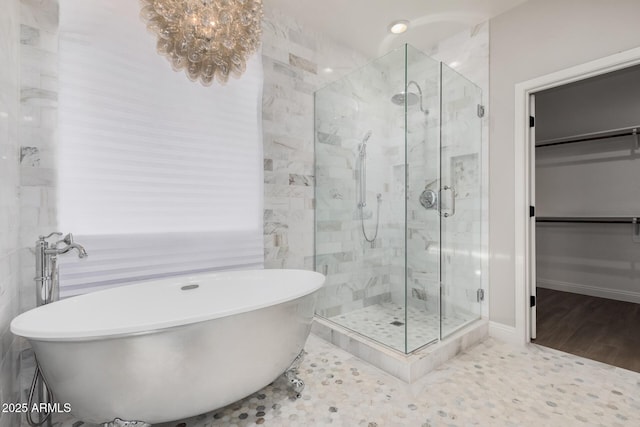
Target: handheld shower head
(366,137)
(362,147)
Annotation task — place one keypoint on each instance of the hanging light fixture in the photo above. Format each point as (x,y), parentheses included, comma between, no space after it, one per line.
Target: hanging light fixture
(206,38)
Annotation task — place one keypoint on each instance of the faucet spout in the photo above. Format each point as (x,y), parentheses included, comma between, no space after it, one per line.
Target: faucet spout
(82,253)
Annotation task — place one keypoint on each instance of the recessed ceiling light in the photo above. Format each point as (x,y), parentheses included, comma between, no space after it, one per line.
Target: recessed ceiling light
(328,70)
(398,27)
(454,64)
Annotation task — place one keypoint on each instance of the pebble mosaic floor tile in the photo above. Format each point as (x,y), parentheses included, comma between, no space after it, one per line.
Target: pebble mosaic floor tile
(492,384)
(380,323)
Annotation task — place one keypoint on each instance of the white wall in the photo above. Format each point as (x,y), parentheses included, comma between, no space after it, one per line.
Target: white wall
(590,259)
(608,101)
(591,178)
(532,40)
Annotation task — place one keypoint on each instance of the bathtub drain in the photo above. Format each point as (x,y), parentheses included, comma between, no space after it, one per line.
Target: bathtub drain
(189,287)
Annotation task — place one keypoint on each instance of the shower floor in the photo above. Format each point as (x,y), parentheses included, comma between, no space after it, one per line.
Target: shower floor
(385,323)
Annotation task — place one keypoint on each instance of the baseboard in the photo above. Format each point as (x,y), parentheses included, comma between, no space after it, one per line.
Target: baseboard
(505,333)
(594,291)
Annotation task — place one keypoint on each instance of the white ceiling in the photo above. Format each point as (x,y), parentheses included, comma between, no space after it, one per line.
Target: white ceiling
(362,24)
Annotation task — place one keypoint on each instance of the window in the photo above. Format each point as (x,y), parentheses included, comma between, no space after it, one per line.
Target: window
(157,175)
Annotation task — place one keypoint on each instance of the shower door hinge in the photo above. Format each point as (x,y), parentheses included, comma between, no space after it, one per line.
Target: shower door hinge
(532,301)
(532,121)
(480,110)
(480,295)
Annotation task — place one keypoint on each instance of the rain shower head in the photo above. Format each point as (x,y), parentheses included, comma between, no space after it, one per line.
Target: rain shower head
(400,98)
(410,98)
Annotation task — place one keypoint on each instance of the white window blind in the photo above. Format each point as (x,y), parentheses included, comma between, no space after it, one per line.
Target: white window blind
(157,175)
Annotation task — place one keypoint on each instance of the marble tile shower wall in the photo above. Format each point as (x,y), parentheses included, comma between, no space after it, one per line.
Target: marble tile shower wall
(9,202)
(423,232)
(468,54)
(466,236)
(294,61)
(465,167)
(347,110)
(470,50)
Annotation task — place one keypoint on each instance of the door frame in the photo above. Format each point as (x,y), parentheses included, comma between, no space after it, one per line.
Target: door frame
(524,163)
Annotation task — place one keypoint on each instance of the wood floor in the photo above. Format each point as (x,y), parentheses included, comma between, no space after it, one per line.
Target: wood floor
(596,328)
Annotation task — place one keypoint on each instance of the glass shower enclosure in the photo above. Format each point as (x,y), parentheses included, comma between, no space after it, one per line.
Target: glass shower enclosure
(398,200)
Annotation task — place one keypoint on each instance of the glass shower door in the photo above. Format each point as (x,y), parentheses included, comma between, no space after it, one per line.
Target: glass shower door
(359,200)
(398,201)
(422,224)
(460,202)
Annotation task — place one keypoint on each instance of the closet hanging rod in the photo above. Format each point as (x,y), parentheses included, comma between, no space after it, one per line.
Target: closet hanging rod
(613,133)
(591,220)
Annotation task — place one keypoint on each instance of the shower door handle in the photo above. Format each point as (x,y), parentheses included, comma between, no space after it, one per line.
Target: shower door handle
(453,202)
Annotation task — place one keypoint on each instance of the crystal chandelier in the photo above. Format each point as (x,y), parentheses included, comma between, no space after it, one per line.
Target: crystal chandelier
(206,38)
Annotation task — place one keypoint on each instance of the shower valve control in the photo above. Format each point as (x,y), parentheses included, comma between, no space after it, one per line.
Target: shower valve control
(429,199)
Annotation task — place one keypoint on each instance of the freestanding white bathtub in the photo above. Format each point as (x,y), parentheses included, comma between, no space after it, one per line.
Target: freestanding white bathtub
(167,349)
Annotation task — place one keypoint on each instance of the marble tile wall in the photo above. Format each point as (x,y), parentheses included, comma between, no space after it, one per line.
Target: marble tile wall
(422,155)
(9,201)
(38,132)
(296,63)
(347,111)
(464,238)
(467,53)
(35,162)
(464,139)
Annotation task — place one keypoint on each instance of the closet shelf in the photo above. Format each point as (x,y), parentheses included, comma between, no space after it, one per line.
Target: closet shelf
(612,133)
(591,219)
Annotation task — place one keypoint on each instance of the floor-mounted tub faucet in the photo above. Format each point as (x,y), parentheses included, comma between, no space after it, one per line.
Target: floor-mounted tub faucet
(47,291)
(47,286)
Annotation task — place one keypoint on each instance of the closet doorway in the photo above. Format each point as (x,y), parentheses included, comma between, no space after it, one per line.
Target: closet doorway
(585,208)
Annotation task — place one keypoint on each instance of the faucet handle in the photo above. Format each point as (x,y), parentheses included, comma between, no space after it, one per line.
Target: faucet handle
(55,233)
(67,240)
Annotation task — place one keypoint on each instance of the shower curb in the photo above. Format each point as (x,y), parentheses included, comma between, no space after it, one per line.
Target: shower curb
(406,367)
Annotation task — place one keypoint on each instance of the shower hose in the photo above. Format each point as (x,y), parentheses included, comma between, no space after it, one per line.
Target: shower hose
(364,232)
(38,379)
